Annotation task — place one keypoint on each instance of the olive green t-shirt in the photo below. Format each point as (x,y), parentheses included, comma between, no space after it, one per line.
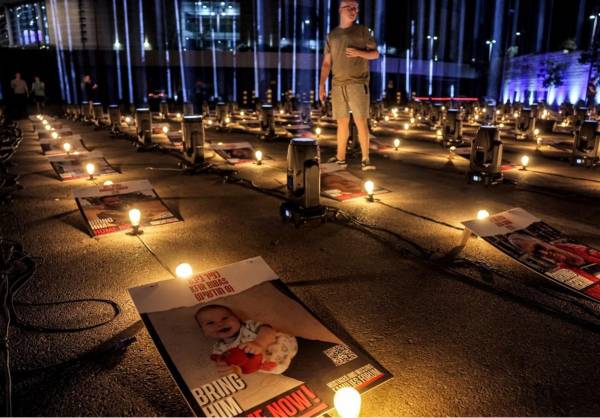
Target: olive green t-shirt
(349,70)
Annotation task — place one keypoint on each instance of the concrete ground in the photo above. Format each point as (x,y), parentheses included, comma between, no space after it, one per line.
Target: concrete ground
(507,344)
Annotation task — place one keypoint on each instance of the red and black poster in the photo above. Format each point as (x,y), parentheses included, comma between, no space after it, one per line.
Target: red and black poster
(105,208)
(543,249)
(238,343)
(340,184)
(73,166)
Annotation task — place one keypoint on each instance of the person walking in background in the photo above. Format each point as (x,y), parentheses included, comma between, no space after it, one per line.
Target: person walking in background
(38,90)
(20,94)
(348,50)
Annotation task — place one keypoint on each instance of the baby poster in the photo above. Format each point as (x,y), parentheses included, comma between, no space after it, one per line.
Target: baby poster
(105,208)
(235,153)
(238,343)
(542,248)
(73,166)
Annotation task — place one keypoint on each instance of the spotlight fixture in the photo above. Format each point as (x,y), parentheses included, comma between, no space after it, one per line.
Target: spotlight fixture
(259,155)
(90,168)
(135,216)
(347,402)
(369,188)
(67,147)
(482,214)
(184,271)
(524,162)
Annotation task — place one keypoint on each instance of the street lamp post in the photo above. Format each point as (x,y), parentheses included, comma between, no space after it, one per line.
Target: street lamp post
(432,39)
(490,43)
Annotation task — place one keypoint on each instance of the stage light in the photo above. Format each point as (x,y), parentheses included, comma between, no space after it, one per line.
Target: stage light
(259,155)
(67,147)
(318,131)
(524,162)
(54,135)
(396,144)
(165,129)
(184,271)
(347,402)
(90,168)
(135,216)
(482,214)
(108,183)
(369,188)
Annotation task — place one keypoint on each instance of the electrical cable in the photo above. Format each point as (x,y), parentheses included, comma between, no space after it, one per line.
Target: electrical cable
(156,257)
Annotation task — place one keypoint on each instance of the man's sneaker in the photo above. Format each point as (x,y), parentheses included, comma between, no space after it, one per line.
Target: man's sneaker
(337,161)
(366,165)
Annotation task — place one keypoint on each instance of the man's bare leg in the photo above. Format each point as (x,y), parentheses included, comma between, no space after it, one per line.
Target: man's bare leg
(363,136)
(343,132)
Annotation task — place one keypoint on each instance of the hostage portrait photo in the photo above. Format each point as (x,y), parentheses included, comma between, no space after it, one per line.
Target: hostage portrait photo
(261,334)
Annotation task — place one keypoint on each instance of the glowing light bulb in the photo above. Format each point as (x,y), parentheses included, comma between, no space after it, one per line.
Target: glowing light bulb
(347,402)
(107,183)
(406,126)
(318,131)
(44,122)
(536,132)
(476,117)
(452,149)
(128,120)
(54,135)
(259,155)
(369,188)
(210,122)
(67,147)
(516,114)
(178,115)
(135,217)
(227,119)
(482,214)
(412,120)
(90,168)
(165,129)
(184,271)
(406,109)
(48,127)
(525,161)
(539,141)
(396,143)
(386,118)
(443,108)
(438,132)
(242,113)
(281,111)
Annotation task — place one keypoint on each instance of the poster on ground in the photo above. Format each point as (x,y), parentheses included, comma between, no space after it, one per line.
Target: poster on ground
(542,248)
(56,146)
(340,184)
(238,343)
(73,166)
(105,208)
(235,152)
(63,132)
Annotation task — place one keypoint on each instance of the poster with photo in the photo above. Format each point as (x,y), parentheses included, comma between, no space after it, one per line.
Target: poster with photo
(55,146)
(234,153)
(105,208)
(543,249)
(63,132)
(340,184)
(73,166)
(238,343)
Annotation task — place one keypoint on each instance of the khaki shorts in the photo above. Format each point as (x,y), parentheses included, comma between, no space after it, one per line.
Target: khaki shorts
(352,97)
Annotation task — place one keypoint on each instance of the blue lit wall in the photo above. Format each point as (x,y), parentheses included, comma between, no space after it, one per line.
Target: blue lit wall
(524,83)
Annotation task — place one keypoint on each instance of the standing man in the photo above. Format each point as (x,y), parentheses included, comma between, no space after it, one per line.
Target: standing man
(20,94)
(348,50)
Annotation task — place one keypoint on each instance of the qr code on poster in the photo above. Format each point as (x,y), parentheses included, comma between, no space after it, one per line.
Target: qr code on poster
(340,354)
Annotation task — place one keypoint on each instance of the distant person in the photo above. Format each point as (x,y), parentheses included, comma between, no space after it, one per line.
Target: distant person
(20,94)
(348,49)
(38,90)
(591,93)
(89,91)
